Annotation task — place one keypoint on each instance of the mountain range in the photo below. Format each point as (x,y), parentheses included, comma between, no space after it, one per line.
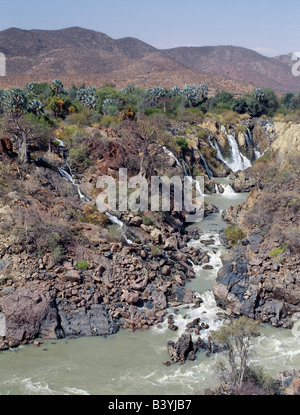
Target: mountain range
(77,55)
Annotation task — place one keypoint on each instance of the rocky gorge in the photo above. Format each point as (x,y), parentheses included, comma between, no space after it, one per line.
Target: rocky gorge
(68,271)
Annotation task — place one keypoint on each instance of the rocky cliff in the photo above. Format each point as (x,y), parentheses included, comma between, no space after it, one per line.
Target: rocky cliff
(261,277)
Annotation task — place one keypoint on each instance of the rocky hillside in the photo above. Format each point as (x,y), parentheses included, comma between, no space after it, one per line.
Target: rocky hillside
(240,64)
(260,277)
(78,55)
(68,270)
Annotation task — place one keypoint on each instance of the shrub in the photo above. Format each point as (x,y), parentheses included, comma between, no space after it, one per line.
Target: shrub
(148,221)
(83,265)
(234,234)
(79,156)
(93,216)
(277,251)
(182,143)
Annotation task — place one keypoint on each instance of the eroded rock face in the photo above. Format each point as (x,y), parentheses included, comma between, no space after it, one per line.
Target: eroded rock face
(92,322)
(30,313)
(180,350)
(258,288)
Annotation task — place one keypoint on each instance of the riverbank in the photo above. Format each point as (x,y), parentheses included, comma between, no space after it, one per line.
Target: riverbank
(132,363)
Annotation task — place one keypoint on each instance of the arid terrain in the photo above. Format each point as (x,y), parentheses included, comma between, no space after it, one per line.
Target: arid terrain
(78,55)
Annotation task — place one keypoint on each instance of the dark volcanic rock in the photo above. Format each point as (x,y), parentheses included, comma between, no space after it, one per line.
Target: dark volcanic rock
(180,350)
(93,322)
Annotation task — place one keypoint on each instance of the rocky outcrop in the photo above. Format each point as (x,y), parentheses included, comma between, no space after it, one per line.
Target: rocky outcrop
(87,322)
(258,287)
(242,181)
(30,312)
(180,350)
(288,140)
(290,382)
(6,147)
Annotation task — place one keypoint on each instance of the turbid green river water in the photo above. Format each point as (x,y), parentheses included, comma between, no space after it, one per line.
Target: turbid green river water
(132,363)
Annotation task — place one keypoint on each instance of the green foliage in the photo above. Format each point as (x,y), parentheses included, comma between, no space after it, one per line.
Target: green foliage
(194,95)
(257,376)
(36,107)
(79,156)
(109,96)
(43,89)
(56,87)
(237,339)
(148,221)
(182,144)
(83,265)
(234,234)
(56,245)
(277,251)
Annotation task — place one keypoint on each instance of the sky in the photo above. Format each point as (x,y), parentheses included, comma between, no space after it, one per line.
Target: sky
(271,27)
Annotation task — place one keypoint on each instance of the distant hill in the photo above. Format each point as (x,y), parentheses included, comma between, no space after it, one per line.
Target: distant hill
(77,55)
(240,64)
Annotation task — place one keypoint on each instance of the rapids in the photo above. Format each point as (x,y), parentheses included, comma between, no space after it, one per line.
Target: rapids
(132,363)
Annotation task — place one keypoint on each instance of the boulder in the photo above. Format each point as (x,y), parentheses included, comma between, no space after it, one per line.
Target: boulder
(92,322)
(156,236)
(181,350)
(30,313)
(72,276)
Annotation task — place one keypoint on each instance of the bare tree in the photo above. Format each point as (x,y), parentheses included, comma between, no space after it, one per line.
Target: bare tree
(25,133)
(238,341)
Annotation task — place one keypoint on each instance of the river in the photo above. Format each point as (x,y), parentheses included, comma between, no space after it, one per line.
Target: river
(132,363)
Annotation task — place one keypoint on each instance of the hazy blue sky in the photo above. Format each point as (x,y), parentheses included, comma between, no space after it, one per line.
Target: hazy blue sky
(268,26)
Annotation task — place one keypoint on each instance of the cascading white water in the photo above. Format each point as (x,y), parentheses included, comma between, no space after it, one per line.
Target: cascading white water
(219,152)
(238,160)
(210,142)
(250,136)
(169,153)
(184,167)
(247,138)
(208,171)
(228,190)
(70,178)
(115,220)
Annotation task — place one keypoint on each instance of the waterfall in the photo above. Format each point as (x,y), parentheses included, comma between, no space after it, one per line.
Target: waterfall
(248,140)
(208,171)
(210,142)
(70,178)
(185,167)
(219,152)
(238,161)
(228,190)
(118,222)
(250,136)
(169,153)
(217,188)
(257,154)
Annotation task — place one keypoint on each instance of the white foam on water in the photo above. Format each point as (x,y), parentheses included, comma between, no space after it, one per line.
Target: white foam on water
(33,387)
(75,391)
(228,191)
(296,329)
